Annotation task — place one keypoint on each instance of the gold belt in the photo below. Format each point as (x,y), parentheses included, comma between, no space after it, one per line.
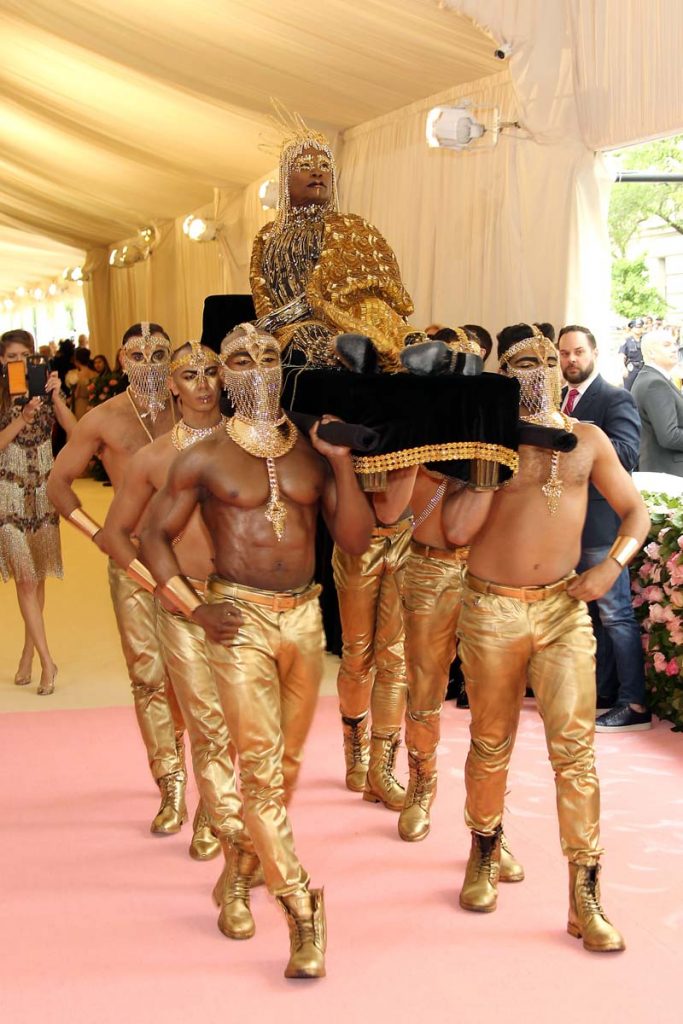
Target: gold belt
(527,594)
(275,600)
(458,555)
(389,531)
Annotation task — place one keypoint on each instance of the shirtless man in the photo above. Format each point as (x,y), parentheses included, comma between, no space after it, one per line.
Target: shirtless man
(115,431)
(195,382)
(259,487)
(524,616)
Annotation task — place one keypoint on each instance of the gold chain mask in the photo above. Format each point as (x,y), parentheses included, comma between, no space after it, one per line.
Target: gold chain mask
(148,377)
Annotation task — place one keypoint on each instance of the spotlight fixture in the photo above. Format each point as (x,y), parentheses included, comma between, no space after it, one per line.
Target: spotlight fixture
(127,255)
(53,289)
(268,194)
(38,294)
(20,292)
(200,230)
(465,127)
(8,304)
(73,274)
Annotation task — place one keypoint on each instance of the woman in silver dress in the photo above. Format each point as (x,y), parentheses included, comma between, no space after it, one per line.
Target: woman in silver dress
(29,525)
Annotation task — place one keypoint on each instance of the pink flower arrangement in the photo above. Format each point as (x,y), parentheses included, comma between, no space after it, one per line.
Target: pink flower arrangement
(657,585)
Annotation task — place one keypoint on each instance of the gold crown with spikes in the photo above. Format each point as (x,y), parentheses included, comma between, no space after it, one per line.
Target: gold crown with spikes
(198,358)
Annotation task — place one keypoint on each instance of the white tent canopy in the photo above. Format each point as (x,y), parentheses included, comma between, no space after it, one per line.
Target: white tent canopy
(118,116)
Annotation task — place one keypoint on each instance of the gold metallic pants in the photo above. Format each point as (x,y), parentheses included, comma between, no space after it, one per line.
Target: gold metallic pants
(369,591)
(268,681)
(159,718)
(432,591)
(547,639)
(183,646)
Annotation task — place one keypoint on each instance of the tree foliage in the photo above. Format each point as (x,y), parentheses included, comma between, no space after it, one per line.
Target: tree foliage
(631,204)
(632,293)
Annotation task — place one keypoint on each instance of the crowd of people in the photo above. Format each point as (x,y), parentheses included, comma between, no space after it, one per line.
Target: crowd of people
(211,540)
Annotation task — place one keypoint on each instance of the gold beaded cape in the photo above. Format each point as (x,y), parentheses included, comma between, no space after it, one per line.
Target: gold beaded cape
(345,277)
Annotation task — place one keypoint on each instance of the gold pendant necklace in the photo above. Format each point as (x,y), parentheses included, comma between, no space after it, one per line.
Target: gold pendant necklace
(184,436)
(266,441)
(552,488)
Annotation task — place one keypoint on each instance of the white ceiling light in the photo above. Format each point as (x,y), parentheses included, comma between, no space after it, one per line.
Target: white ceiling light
(127,255)
(20,292)
(52,290)
(73,274)
(199,229)
(8,304)
(38,294)
(268,194)
(465,127)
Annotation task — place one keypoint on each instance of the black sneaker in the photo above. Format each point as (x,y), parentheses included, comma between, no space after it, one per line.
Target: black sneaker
(603,704)
(623,719)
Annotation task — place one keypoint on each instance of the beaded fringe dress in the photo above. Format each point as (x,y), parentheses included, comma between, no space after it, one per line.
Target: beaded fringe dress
(29,525)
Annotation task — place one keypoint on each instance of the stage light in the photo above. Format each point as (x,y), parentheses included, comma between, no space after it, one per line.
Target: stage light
(20,292)
(200,230)
(464,127)
(38,294)
(52,290)
(8,304)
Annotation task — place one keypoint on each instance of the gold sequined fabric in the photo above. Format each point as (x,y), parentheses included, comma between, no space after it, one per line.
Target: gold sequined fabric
(345,272)
(29,525)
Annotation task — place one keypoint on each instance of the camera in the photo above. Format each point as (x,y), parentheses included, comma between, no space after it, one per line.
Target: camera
(503,51)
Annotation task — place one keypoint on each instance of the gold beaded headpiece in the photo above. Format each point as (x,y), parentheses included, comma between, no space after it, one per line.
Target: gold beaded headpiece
(148,380)
(199,358)
(538,343)
(250,338)
(296,137)
(464,342)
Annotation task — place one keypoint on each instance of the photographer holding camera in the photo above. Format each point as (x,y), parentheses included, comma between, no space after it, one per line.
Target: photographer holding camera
(30,403)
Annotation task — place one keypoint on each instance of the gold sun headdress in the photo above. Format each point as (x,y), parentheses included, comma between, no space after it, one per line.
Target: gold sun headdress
(295,137)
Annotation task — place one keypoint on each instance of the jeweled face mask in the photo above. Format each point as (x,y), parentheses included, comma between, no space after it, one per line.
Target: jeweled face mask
(540,386)
(146,361)
(255,390)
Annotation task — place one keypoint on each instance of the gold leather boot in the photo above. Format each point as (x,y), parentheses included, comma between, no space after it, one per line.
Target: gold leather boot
(413,821)
(305,914)
(172,812)
(587,919)
(480,888)
(381,786)
(204,845)
(510,868)
(356,751)
(231,893)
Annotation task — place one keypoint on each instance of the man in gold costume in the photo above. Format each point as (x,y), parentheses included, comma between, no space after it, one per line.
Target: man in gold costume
(115,431)
(195,382)
(259,485)
(524,617)
(316,273)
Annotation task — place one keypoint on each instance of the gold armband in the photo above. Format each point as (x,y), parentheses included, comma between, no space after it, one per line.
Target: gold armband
(484,476)
(623,550)
(83,522)
(182,594)
(141,574)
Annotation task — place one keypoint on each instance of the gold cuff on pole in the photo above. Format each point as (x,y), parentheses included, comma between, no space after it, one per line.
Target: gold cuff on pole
(623,550)
(484,476)
(141,574)
(83,522)
(180,592)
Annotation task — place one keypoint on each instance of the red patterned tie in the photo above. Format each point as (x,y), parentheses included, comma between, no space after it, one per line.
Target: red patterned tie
(571,399)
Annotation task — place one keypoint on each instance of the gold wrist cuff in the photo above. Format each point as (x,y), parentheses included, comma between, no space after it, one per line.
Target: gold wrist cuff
(141,574)
(83,522)
(623,550)
(484,476)
(182,594)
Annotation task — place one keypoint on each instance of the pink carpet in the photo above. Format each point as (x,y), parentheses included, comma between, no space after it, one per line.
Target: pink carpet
(101,922)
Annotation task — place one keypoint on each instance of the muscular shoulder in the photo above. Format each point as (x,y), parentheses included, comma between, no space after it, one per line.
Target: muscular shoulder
(153,456)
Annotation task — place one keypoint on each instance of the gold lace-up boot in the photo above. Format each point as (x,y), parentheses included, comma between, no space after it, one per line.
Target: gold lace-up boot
(480,888)
(381,786)
(413,821)
(231,893)
(305,914)
(510,868)
(356,751)
(587,919)
(204,845)
(172,812)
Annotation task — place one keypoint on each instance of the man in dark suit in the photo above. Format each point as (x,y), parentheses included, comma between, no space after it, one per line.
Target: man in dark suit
(660,405)
(589,397)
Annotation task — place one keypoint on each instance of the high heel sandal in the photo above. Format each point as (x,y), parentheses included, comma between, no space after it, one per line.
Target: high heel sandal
(45,691)
(20,680)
